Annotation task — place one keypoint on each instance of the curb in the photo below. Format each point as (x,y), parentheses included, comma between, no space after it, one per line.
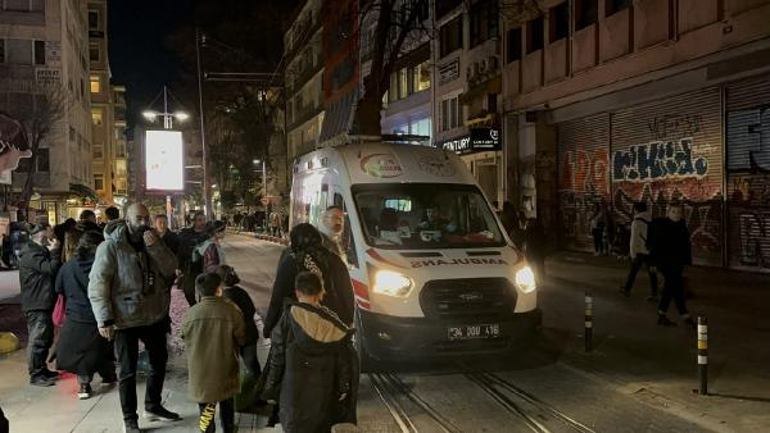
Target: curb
(262,237)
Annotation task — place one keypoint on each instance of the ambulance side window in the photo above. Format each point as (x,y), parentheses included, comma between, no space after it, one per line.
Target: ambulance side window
(348,241)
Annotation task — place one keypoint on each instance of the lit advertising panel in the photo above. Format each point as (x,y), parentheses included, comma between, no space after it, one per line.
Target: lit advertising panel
(164,161)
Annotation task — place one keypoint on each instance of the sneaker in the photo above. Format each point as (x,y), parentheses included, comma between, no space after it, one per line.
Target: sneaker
(664,321)
(85,392)
(161,414)
(42,381)
(132,426)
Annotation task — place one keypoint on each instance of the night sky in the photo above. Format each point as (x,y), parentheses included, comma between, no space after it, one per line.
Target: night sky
(138,55)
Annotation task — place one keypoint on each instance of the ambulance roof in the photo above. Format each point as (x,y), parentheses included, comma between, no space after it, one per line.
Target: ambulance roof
(369,163)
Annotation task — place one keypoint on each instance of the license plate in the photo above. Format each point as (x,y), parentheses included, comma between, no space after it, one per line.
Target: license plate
(473,332)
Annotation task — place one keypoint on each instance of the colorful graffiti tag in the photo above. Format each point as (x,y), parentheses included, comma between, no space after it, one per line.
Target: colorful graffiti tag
(585,171)
(658,160)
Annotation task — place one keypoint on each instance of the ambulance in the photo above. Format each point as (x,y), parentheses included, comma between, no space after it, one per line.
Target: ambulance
(433,271)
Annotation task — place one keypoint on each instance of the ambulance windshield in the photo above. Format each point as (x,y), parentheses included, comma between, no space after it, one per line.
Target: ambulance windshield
(426,216)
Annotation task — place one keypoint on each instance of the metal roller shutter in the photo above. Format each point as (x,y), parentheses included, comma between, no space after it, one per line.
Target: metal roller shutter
(583,162)
(669,151)
(748,174)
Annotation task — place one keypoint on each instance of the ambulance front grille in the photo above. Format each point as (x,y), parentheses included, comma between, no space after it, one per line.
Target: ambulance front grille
(476,299)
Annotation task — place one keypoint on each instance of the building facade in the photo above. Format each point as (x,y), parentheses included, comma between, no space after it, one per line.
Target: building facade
(119,148)
(304,74)
(613,102)
(44,62)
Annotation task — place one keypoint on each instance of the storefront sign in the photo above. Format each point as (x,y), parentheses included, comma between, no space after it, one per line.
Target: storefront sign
(449,72)
(47,76)
(480,140)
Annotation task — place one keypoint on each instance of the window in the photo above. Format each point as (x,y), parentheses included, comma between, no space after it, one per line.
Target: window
(443,7)
(586,13)
(2,50)
(40,52)
(484,21)
(93,20)
(559,22)
(97,116)
(452,36)
(98,182)
(94,53)
(535,35)
(450,113)
(43,161)
(17,5)
(421,77)
(403,83)
(98,152)
(19,51)
(96,84)
(613,6)
(513,44)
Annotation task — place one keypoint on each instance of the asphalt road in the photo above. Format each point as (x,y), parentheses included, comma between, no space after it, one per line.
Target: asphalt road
(522,392)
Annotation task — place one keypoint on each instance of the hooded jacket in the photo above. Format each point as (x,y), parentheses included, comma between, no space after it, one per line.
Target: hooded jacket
(639,230)
(72,282)
(130,288)
(37,273)
(312,363)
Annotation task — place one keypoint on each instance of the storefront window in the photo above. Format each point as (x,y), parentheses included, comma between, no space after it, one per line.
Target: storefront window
(403,83)
(421,76)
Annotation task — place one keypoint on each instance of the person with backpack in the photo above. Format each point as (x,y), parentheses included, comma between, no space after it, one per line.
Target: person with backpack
(210,253)
(312,371)
(640,254)
(671,251)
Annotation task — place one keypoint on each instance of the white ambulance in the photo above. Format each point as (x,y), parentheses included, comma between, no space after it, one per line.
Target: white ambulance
(433,272)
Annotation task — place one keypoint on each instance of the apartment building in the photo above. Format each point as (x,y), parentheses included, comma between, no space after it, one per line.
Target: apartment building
(44,53)
(119,166)
(664,101)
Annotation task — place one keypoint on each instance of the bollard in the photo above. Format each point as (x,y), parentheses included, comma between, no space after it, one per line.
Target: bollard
(703,355)
(589,323)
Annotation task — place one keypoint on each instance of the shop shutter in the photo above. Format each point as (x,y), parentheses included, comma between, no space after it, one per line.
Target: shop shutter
(669,151)
(583,162)
(748,174)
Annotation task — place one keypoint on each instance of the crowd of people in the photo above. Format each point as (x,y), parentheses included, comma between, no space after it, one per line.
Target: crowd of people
(103,289)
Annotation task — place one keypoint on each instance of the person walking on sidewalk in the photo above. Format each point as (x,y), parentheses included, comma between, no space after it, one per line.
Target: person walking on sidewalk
(307,253)
(640,254)
(312,363)
(188,239)
(210,252)
(671,251)
(81,350)
(598,223)
(39,262)
(129,291)
(243,301)
(213,330)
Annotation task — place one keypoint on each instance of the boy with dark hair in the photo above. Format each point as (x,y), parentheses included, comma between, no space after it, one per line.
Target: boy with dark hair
(243,301)
(213,331)
(322,392)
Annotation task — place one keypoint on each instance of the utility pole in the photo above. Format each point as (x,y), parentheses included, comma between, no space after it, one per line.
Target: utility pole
(204,160)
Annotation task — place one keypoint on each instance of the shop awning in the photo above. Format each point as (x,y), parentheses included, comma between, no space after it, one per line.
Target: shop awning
(84,191)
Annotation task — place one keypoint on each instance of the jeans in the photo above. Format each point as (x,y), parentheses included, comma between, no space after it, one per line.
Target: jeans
(40,329)
(249,356)
(673,288)
(127,346)
(639,260)
(226,416)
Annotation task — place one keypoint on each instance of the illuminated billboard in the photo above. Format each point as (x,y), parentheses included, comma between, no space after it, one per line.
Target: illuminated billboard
(164,161)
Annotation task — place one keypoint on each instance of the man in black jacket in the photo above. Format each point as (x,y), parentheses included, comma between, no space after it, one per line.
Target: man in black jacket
(168,237)
(187,240)
(39,262)
(670,251)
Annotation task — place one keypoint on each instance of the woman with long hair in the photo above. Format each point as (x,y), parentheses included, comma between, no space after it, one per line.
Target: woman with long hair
(81,350)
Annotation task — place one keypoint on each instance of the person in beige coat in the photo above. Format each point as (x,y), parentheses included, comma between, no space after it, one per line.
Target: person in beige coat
(213,331)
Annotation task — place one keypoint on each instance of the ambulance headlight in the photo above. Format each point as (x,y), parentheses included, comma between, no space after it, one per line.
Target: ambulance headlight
(525,280)
(392,284)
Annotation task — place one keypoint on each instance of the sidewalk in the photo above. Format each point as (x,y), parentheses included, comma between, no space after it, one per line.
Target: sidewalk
(658,364)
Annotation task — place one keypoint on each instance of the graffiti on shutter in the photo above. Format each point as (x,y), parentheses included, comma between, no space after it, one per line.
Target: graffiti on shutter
(584,168)
(748,178)
(669,152)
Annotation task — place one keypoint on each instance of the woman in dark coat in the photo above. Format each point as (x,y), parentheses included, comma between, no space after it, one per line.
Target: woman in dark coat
(81,350)
(307,253)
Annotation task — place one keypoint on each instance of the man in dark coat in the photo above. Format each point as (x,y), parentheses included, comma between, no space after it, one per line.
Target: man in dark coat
(168,237)
(189,238)
(88,221)
(312,364)
(39,261)
(670,251)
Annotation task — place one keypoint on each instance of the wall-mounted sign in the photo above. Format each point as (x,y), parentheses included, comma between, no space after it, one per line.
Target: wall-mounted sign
(479,140)
(47,76)
(52,53)
(449,72)
(164,161)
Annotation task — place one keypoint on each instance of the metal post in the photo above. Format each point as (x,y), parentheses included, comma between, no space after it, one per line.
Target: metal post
(204,161)
(703,355)
(589,323)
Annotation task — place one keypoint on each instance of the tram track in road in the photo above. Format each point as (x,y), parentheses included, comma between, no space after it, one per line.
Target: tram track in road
(389,388)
